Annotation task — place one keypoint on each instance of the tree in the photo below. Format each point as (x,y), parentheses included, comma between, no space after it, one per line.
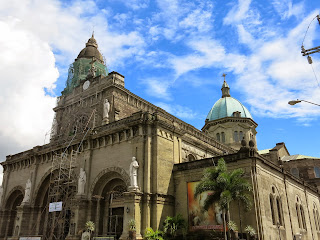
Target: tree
(226,186)
(173,224)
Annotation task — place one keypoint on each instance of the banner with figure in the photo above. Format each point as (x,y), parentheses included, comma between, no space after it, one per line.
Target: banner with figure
(198,217)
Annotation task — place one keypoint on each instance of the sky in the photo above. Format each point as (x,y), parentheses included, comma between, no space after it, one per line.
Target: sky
(173,54)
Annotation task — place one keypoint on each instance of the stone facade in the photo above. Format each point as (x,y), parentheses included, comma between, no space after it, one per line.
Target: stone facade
(170,153)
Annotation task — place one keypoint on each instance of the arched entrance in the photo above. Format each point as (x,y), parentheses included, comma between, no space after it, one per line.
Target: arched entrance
(49,224)
(108,204)
(14,200)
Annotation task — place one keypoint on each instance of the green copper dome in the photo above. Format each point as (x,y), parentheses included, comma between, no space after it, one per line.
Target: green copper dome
(88,58)
(227,106)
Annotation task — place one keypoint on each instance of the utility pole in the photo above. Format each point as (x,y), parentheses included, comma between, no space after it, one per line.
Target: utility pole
(308,52)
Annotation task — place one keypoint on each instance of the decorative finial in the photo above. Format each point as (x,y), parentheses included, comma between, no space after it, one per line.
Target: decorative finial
(225,87)
(224,76)
(93,33)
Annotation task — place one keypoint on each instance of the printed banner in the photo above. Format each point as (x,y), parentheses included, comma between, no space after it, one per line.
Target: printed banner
(200,218)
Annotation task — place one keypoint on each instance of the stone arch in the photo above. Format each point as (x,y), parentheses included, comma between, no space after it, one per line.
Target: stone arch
(191,157)
(13,194)
(40,185)
(109,174)
(108,200)
(13,200)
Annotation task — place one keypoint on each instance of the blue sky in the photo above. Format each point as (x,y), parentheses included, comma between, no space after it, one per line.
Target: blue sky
(172,53)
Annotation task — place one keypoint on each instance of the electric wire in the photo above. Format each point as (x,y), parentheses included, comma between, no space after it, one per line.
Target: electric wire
(307,30)
(315,75)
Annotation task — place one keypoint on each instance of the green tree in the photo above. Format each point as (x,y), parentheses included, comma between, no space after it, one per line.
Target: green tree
(226,186)
(172,224)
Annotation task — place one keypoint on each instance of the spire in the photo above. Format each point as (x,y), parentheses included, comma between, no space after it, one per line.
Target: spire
(225,87)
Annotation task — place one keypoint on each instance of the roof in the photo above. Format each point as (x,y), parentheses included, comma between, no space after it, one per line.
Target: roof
(264,151)
(91,50)
(297,157)
(225,107)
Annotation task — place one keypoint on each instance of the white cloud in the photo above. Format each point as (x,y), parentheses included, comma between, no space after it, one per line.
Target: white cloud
(238,12)
(158,88)
(32,31)
(198,19)
(286,9)
(178,110)
(269,76)
(27,66)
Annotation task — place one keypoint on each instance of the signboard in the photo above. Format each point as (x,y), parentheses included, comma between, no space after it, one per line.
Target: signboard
(30,238)
(55,207)
(198,217)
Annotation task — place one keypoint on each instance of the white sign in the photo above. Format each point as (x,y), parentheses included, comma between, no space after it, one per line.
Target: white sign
(55,207)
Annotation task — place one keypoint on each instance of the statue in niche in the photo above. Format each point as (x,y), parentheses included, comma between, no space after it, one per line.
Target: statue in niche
(1,193)
(81,181)
(27,192)
(106,110)
(134,173)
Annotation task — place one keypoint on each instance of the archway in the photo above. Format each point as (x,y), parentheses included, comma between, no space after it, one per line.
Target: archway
(108,207)
(41,204)
(14,200)
(47,221)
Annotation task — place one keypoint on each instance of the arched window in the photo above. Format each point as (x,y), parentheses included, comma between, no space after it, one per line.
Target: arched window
(191,158)
(303,218)
(276,207)
(295,172)
(223,137)
(316,217)
(272,210)
(218,136)
(317,172)
(298,215)
(279,208)
(240,136)
(235,136)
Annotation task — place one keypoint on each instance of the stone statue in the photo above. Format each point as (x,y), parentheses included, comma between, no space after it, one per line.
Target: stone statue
(27,192)
(134,173)
(1,193)
(106,109)
(82,181)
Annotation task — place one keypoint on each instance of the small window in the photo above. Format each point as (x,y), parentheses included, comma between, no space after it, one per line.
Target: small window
(295,172)
(240,136)
(218,136)
(191,158)
(236,114)
(223,137)
(235,136)
(317,172)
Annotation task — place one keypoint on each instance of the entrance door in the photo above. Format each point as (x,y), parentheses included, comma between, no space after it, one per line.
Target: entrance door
(116,221)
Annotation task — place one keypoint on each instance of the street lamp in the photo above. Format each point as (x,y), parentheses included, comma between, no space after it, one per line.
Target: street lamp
(294,102)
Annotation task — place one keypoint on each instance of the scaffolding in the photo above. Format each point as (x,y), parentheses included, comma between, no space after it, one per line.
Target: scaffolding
(63,187)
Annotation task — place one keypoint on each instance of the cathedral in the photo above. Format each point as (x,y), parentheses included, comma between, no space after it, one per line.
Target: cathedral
(114,157)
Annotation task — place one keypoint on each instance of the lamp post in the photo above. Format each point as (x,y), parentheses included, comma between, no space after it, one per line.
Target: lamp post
(294,102)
